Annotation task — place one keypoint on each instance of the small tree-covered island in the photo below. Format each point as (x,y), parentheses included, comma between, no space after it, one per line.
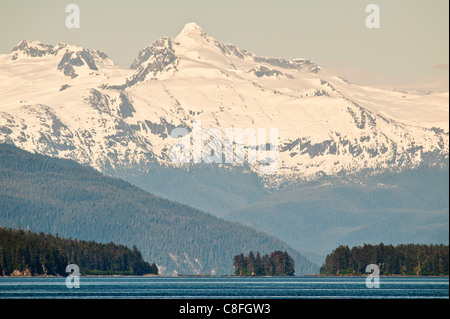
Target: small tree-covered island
(402,260)
(25,253)
(278,263)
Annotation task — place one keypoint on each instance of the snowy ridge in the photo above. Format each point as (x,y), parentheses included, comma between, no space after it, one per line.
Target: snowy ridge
(71,102)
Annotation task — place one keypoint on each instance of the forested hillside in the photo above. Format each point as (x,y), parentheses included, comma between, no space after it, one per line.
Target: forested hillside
(409,259)
(28,253)
(60,196)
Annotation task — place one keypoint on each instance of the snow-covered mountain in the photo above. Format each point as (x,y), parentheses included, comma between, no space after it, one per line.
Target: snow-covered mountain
(70,102)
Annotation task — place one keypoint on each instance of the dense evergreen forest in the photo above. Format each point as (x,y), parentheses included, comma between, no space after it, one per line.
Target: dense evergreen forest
(29,253)
(53,196)
(278,263)
(409,259)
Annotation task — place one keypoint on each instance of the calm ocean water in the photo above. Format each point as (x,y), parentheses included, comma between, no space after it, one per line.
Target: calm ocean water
(224,287)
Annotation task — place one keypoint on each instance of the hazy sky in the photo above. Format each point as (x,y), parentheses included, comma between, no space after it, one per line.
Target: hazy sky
(411,49)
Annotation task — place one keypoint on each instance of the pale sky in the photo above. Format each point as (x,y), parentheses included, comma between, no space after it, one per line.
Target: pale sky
(409,50)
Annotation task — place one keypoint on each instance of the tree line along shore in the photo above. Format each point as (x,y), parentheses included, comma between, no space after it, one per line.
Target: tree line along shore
(399,260)
(26,253)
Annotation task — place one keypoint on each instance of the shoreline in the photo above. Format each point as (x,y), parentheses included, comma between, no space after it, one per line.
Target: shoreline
(58,276)
(224,276)
(385,276)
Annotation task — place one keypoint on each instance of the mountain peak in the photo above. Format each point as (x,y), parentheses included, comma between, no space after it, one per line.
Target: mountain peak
(32,49)
(191,28)
(28,44)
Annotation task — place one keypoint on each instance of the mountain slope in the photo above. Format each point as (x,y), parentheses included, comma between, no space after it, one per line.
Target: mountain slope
(315,217)
(60,196)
